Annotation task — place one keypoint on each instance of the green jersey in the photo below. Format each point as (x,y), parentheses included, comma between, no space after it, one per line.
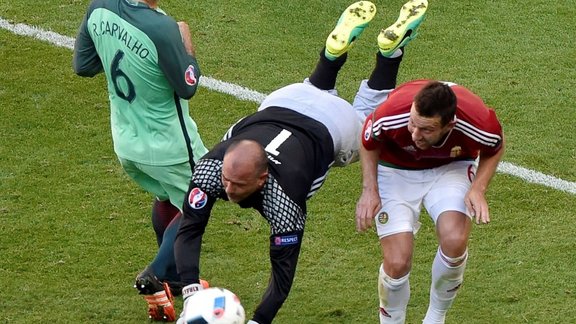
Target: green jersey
(150,76)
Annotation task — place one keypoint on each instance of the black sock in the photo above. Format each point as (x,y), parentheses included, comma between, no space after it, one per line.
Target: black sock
(385,72)
(324,75)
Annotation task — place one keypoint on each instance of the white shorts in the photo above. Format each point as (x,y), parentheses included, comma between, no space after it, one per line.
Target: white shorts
(403,192)
(344,125)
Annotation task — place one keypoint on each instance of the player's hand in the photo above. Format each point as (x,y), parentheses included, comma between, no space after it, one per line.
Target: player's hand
(187,38)
(477,206)
(368,205)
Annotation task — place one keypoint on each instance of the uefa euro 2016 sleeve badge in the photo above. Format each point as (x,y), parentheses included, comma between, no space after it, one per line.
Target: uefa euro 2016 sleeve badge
(189,76)
(383,218)
(197,198)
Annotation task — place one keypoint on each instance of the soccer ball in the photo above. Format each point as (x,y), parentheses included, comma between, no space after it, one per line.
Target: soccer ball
(213,306)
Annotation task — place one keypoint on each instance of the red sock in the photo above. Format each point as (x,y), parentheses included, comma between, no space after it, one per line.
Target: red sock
(162,214)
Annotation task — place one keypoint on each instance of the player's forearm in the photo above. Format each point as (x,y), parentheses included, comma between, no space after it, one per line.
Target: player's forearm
(487,166)
(369,162)
(283,259)
(87,65)
(187,246)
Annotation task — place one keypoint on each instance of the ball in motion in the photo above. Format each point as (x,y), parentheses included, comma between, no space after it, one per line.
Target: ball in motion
(214,306)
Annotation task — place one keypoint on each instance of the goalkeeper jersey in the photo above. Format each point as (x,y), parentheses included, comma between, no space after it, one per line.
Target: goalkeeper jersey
(150,76)
(300,152)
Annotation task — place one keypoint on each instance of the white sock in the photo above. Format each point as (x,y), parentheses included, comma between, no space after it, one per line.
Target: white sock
(190,290)
(446,279)
(393,295)
(398,52)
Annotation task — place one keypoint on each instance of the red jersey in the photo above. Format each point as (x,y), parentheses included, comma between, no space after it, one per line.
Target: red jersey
(477,130)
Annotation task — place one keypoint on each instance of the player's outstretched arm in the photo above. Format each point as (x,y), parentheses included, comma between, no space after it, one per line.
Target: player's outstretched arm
(284,253)
(475,198)
(369,203)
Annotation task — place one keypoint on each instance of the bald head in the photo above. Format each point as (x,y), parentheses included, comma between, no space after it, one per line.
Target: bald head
(244,169)
(247,155)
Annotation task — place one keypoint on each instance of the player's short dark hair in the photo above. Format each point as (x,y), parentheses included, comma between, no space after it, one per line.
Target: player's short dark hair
(436,99)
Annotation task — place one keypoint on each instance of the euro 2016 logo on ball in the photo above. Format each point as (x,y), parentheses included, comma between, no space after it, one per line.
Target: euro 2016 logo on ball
(197,198)
(213,306)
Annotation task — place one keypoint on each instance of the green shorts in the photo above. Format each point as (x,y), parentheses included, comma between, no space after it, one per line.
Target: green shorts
(165,182)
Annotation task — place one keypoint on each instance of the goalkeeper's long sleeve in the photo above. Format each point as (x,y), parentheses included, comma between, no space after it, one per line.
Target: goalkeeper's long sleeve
(283,259)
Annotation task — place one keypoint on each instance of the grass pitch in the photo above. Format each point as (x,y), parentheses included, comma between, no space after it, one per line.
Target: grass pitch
(74,230)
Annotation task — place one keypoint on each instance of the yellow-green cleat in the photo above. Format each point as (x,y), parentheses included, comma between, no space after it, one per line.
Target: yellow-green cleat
(349,27)
(404,29)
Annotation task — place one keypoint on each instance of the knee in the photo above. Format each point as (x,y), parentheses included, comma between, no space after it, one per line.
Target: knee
(397,267)
(454,244)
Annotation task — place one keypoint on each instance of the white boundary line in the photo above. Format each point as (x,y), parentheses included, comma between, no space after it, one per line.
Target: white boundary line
(243,93)
(68,42)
